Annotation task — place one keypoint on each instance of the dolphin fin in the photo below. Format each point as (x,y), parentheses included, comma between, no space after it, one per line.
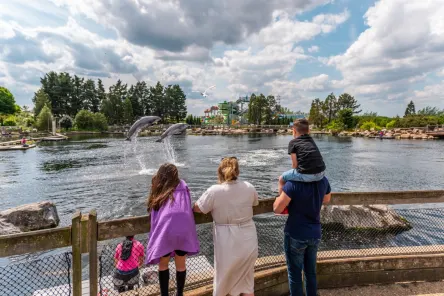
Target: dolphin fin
(159,141)
(128,139)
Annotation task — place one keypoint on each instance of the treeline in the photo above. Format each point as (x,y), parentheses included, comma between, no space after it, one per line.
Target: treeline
(342,113)
(67,95)
(193,120)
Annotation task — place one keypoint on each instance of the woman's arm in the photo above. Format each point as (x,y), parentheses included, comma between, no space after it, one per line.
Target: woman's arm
(196,208)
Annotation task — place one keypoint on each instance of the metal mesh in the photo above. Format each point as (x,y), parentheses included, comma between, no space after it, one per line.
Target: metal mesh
(421,231)
(50,275)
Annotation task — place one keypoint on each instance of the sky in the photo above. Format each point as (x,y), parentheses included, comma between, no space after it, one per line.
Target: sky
(384,53)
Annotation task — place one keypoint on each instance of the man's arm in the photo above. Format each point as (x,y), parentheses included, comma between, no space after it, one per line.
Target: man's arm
(281,203)
(294,160)
(327,198)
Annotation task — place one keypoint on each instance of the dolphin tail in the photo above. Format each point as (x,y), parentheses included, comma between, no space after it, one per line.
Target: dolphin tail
(159,140)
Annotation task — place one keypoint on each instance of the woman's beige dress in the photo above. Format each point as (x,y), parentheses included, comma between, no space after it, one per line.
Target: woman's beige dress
(234,234)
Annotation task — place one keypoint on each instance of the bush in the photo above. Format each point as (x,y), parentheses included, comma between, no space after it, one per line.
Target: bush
(368,125)
(44,119)
(336,126)
(86,120)
(391,124)
(10,121)
(100,122)
(66,122)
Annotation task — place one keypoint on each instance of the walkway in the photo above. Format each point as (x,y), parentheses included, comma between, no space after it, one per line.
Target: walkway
(404,289)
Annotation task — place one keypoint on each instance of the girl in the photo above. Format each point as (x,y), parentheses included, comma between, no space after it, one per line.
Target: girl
(173,231)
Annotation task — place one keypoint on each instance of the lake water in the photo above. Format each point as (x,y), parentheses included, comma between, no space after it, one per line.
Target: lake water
(113,175)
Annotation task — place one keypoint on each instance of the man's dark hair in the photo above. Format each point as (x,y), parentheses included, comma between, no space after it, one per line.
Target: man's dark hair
(301,126)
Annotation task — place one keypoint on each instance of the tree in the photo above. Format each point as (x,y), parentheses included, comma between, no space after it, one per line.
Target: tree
(90,96)
(66,122)
(7,101)
(345,116)
(176,98)
(99,122)
(330,107)
(410,110)
(101,94)
(430,111)
(44,119)
(76,101)
(158,106)
(135,95)
(112,109)
(346,101)
(84,120)
(40,100)
(127,111)
(316,115)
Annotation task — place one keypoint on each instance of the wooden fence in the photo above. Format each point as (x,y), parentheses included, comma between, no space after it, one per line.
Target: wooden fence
(85,231)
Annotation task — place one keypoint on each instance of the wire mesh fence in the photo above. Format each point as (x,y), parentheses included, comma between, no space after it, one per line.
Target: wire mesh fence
(347,232)
(50,275)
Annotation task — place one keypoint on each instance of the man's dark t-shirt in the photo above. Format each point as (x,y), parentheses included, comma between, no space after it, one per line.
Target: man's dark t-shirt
(307,154)
(304,220)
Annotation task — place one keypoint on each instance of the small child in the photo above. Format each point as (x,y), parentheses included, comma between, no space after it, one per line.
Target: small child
(127,259)
(173,230)
(307,162)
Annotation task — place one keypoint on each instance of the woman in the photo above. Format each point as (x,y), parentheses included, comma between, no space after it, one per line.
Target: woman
(127,258)
(173,231)
(234,233)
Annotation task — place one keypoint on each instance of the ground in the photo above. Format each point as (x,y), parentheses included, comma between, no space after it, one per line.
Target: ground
(401,289)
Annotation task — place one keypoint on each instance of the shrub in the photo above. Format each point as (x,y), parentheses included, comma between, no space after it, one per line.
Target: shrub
(10,121)
(66,122)
(391,124)
(368,125)
(44,119)
(336,126)
(100,122)
(84,120)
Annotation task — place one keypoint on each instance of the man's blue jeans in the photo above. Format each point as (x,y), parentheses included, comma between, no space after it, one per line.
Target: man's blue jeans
(294,175)
(301,257)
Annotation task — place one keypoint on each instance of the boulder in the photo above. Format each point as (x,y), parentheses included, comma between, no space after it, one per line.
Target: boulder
(363,218)
(406,136)
(35,216)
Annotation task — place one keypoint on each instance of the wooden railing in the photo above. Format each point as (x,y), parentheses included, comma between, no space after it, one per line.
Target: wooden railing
(85,231)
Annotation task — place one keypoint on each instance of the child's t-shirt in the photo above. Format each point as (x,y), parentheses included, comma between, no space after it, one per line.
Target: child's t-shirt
(133,261)
(307,154)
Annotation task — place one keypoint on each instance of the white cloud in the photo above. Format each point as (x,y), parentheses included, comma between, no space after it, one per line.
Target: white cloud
(430,95)
(313,48)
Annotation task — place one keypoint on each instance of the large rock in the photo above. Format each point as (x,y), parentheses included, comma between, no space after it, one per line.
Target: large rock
(363,218)
(29,217)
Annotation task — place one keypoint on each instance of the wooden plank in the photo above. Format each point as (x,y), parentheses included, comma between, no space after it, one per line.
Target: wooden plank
(123,227)
(92,231)
(387,197)
(84,235)
(34,241)
(76,254)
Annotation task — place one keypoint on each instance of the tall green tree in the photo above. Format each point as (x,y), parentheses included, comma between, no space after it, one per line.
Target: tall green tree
(101,93)
(316,115)
(410,110)
(430,111)
(40,100)
(90,97)
(76,100)
(156,97)
(330,107)
(345,116)
(346,101)
(44,119)
(175,99)
(127,112)
(135,94)
(7,101)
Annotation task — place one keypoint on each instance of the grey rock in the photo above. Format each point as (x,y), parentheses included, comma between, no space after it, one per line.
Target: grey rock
(360,217)
(29,217)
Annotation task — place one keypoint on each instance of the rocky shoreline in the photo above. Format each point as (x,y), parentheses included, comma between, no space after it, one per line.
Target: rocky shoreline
(397,133)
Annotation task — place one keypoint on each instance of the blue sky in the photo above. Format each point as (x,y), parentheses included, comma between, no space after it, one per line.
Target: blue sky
(385,53)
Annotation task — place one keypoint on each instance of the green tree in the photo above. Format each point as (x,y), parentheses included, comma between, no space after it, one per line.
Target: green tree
(346,101)
(100,122)
(101,94)
(84,120)
(127,111)
(11,120)
(176,100)
(44,119)
(368,125)
(410,110)
(112,108)
(66,122)
(135,96)
(431,111)
(345,116)
(391,124)
(156,97)
(40,100)
(76,101)
(316,115)
(330,107)
(7,101)
(90,96)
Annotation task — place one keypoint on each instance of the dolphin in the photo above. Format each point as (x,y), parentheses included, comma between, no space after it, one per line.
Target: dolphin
(175,129)
(141,123)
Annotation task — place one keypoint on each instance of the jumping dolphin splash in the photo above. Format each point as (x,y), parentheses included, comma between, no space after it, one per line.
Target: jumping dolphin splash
(177,128)
(141,123)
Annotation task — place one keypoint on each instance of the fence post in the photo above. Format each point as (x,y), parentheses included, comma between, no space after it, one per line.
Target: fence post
(76,255)
(92,229)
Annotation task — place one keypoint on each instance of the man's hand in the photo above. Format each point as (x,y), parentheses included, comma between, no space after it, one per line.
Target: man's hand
(281,203)
(327,198)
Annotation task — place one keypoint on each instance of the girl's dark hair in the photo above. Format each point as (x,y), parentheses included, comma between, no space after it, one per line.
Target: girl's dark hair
(163,184)
(127,247)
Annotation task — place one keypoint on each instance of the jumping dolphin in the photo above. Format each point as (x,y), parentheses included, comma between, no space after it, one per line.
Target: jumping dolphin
(141,123)
(175,129)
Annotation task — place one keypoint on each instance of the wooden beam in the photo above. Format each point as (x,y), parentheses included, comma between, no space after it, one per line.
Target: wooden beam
(92,231)
(387,197)
(76,254)
(123,227)
(34,241)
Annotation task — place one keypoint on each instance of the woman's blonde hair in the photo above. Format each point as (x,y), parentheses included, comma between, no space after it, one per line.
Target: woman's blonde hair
(228,169)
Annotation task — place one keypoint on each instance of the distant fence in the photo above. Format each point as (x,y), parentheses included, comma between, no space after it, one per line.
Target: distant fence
(61,274)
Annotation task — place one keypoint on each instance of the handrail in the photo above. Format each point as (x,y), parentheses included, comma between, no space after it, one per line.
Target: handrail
(41,240)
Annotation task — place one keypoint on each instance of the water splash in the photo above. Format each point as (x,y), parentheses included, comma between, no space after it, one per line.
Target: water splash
(170,152)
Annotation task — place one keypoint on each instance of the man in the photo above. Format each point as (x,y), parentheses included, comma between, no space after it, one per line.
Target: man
(302,230)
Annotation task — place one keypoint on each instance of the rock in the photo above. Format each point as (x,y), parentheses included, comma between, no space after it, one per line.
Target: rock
(406,136)
(29,217)
(359,217)
(416,137)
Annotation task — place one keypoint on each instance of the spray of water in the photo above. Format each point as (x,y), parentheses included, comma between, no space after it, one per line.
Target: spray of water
(169,150)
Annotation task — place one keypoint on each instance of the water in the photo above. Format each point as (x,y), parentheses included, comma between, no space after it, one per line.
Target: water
(113,175)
